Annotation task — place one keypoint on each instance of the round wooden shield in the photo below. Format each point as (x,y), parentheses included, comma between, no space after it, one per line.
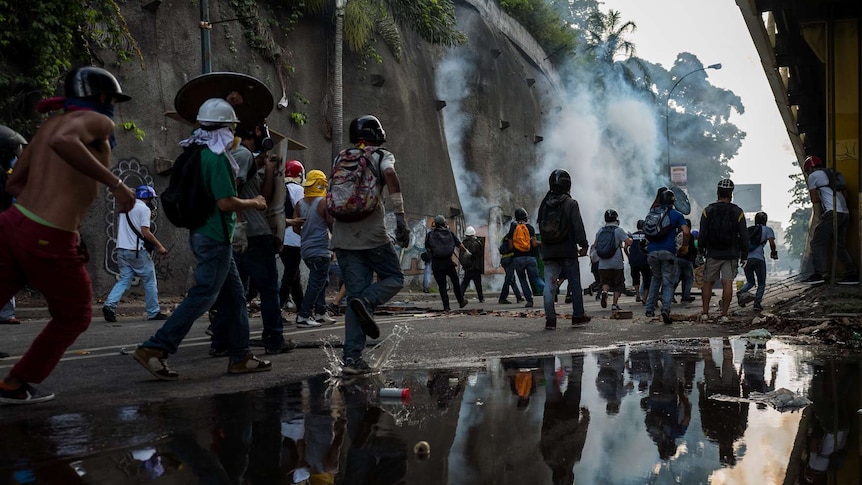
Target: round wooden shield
(252,106)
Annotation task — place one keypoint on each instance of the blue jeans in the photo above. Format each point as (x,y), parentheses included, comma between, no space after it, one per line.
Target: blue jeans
(426,277)
(528,274)
(509,280)
(755,268)
(571,271)
(8,310)
(359,267)
(131,265)
(315,291)
(257,266)
(684,276)
(663,267)
(217,286)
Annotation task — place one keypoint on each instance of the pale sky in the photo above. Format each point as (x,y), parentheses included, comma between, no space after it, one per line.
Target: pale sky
(715,32)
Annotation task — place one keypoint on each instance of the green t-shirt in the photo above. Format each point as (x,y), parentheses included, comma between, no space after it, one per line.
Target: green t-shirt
(219,177)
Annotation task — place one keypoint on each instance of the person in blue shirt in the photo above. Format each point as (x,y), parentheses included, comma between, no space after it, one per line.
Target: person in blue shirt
(662,255)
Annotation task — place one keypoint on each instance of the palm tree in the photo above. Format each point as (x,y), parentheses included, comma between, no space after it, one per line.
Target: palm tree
(605,41)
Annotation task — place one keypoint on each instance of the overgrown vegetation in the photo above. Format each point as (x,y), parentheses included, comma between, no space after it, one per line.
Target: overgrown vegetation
(42,40)
(556,36)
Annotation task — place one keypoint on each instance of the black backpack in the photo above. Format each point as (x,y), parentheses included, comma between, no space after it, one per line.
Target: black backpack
(755,233)
(553,225)
(288,202)
(187,201)
(606,242)
(721,226)
(442,243)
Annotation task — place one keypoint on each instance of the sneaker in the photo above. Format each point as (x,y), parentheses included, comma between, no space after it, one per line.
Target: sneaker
(568,299)
(323,318)
(11,321)
(850,279)
(725,319)
(158,316)
(665,317)
(704,317)
(529,304)
(306,322)
(551,324)
(519,299)
(366,319)
(581,320)
(249,364)
(743,298)
(462,303)
(155,362)
(758,308)
(216,352)
(504,302)
(689,299)
(109,314)
(814,279)
(209,330)
(638,299)
(604,299)
(284,348)
(615,308)
(649,314)
(355,367)
(26,394)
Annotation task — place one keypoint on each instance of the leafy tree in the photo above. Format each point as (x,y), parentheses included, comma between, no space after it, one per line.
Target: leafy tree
(796,235)
(546,25)
(606,42)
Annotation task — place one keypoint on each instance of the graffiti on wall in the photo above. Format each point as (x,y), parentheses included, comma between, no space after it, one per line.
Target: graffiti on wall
(133,173)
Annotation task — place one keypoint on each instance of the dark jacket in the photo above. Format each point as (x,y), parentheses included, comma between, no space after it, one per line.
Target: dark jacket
(577,234)
(476,246)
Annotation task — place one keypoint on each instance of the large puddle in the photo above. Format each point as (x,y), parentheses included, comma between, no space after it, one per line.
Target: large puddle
(627,415)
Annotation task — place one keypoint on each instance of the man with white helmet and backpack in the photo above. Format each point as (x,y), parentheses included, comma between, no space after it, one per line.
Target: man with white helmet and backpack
(217,281)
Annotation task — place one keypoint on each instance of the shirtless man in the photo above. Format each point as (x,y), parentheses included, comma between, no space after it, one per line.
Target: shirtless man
(39,244)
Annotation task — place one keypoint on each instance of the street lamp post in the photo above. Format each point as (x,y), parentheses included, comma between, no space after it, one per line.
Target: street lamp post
(667,113)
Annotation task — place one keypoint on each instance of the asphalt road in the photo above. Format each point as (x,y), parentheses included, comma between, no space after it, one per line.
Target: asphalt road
(97,371)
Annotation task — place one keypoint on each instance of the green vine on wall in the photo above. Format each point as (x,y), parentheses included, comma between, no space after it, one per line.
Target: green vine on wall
(41,40)
(133,127)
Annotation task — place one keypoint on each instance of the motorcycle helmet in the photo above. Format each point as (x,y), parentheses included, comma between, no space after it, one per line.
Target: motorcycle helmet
(666,196)
(368,129)
(89,81)
(521,214)
(611,216)
(812,162)
(560,179)
(439,221)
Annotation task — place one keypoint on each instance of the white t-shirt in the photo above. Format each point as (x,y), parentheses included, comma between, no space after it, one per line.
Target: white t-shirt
(140,216)
(820,181)
(296,193)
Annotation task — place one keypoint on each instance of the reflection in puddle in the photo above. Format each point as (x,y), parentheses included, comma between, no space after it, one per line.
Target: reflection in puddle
(625,415)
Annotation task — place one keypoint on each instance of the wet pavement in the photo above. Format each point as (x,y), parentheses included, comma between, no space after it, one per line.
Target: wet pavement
(627,414)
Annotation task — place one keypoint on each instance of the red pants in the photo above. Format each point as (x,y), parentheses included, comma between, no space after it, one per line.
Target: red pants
(48,260)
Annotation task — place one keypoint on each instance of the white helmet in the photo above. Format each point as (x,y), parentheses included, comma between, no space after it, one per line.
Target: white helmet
(470,231)
(217,110)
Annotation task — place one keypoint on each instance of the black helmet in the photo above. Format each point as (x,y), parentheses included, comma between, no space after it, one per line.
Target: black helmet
(640,224)
(10,140)
(611,215)
(560,179)
(521,214)
(666,196)
(368,129)
(760,218)
(439,221)
(88,81)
